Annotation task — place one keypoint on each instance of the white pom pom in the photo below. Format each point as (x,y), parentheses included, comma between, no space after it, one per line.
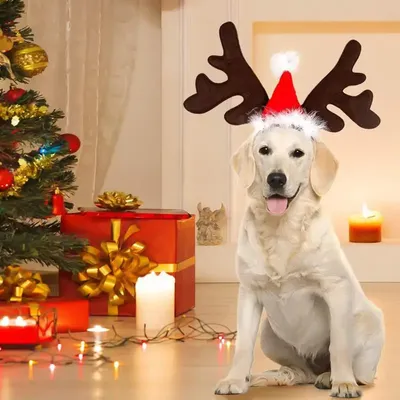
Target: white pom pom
(257,122)
(282,62)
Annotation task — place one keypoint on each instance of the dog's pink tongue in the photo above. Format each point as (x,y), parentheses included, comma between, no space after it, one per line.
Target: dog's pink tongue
(277,206)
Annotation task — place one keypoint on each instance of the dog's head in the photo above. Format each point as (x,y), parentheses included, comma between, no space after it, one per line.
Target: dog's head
(276,165)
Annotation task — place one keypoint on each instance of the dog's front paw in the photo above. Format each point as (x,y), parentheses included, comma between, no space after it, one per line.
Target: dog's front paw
(323,381)
(232,386)
(345,390)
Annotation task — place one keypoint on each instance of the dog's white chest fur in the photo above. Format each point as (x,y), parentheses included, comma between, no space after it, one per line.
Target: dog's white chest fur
(297,314)
(280,268)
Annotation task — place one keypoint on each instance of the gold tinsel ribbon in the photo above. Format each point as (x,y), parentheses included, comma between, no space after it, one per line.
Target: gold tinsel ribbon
(21,111)
(118,201)
(114,268)
(27,170)
(18,285)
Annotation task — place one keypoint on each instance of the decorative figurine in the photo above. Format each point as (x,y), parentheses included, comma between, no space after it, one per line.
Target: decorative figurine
(210,226)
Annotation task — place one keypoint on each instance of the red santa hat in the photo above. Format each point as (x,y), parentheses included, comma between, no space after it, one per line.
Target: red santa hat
(283,108)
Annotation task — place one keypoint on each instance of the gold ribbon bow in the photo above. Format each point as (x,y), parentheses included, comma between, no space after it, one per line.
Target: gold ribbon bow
(118,201)
(114,268)
(18,284)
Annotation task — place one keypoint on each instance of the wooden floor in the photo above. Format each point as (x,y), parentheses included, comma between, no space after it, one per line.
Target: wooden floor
(190,370)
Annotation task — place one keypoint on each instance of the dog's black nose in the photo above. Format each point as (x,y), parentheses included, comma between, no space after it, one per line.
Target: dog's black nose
(276,180)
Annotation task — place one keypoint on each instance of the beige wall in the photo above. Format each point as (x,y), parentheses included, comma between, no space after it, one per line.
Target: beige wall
(136,163)
(197,148)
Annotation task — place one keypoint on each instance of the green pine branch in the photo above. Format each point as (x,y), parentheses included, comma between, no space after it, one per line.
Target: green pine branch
(18,76)
(41,245)
(10,12)
(30,96)
(31,203)
(33,131)
(26,33)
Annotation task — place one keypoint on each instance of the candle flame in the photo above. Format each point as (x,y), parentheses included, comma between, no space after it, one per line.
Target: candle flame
(366,212)
(20,321)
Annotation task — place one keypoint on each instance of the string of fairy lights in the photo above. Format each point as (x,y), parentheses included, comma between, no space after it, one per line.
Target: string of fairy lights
(91,352)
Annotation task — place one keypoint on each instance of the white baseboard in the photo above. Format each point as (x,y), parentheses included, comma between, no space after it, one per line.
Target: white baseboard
(377,262)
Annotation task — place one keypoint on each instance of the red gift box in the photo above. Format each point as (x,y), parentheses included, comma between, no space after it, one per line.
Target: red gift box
(169,239)
(71,315)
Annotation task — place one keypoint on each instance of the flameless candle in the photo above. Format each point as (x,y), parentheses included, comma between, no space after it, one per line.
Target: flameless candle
(155,301)
(365,227)
(26,330)
(99,334)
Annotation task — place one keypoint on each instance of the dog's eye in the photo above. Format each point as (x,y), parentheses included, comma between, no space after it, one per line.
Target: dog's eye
(265,151)
(297,153)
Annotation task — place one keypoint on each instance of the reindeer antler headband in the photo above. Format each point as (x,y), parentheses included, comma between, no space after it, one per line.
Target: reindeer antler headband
(283,108)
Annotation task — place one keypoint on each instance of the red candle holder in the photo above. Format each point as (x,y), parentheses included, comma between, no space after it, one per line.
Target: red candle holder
(18,327)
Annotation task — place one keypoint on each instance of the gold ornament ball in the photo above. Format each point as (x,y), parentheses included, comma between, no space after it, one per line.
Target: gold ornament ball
(29,58)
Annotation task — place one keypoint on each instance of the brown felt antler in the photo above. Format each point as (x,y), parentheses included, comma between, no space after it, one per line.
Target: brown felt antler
(330,91)
(242,81)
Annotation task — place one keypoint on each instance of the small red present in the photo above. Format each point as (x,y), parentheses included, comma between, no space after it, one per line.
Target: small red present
(23,288)
(72,314)
(133,243)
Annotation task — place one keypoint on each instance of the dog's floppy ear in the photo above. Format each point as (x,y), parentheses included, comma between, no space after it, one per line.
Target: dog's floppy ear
(243,163)
(323,169)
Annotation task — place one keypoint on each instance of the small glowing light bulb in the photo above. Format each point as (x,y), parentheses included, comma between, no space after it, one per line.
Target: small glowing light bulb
(52,367)
(19,321)
(228,343)
(80,356)
(59,346)
(5,321)
(144,345)
(221,336)
(31,362)
(223,341)
(116,364)
(82,346)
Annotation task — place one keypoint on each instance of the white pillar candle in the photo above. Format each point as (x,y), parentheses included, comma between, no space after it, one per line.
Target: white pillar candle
(155,301)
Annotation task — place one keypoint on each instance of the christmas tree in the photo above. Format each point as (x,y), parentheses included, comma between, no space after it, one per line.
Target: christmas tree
(36,160)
